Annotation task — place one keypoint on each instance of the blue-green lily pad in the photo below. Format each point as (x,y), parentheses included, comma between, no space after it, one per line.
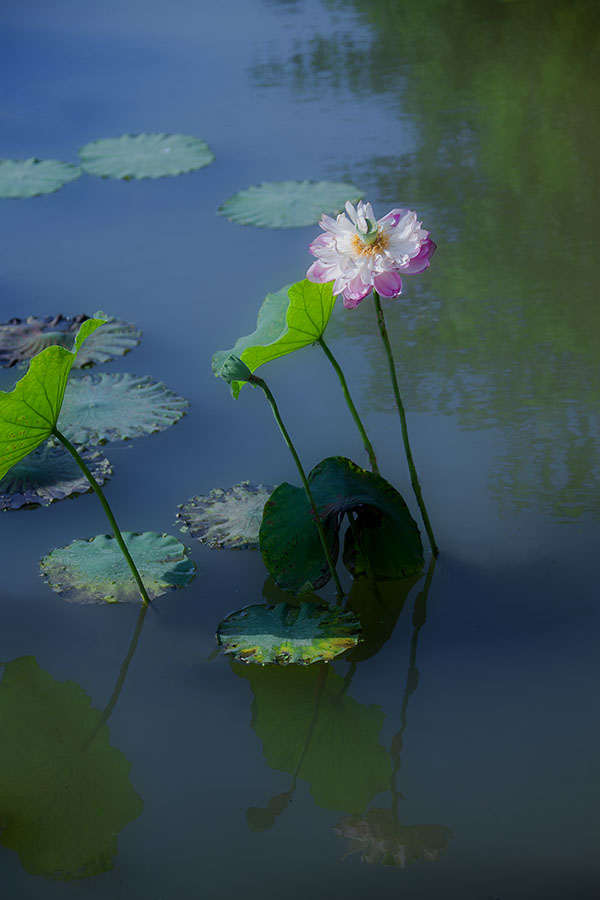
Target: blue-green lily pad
(289,204)
(48,474)
(286,634)
(32,177)
(226,519)
(95,571)
(145,156)
(117,406)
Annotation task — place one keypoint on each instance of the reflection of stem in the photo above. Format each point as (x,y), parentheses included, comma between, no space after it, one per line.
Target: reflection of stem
(360,545)
(409,458)
(258,382)
(353,411)
(321,679)
(109,514)
(121,679)
(412,679)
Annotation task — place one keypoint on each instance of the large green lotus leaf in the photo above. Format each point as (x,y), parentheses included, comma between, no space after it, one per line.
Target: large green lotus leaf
(63,797)
(95,571)
(288,320)
(288,204)
(287,634)
(21,339)
(226,519)
(50,473)
(144,156)
(31,177)
(117,406)
(30,411)
(289,541)
(310,726)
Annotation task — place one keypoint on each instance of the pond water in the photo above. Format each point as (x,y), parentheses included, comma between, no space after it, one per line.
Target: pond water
(483,117)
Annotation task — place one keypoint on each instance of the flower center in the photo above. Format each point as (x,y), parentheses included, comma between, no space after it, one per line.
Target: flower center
(378,245)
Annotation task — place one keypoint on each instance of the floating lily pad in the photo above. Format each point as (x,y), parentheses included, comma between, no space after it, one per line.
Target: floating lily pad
(145,156)
(381,840)
(117,406)
(31,177)
(48,474)
(286,634)
(228,519)
(95,571)
(289,204)
(21,339)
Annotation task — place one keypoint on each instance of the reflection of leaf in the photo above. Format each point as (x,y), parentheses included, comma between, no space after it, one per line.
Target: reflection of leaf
(30,411)
(288,204)
(288,320)
(31,177)
(344,763)
(229,519)
(378,612)
(286,634)
(144,156)
(62,801)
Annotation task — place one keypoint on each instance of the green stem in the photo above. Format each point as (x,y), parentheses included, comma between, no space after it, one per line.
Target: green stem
(361,428)
(109,514)
(259,382)
(413,472)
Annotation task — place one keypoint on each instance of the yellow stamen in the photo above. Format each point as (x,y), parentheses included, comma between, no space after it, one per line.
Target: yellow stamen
(378,246)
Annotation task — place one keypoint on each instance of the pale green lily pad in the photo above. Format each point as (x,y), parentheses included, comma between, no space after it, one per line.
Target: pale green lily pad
(65,792)
(95,571)
(22,339)
(145,156)
(287,634)
(48,474)
(32,177)
(289,204)
(226,519)
(117,406)
(381,840)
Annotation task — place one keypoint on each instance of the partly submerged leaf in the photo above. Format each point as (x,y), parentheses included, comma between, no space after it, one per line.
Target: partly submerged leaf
(288,320)
(95,571)
(21,339)
(117,406)
(228,519)
(288,204)
(311,728)
(30,411)
(289,541)
(382,840)
(286,634)
(50,473)
(145,156)
(31,177)
(65,791)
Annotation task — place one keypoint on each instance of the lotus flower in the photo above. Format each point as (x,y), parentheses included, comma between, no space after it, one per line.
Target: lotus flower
(359,253)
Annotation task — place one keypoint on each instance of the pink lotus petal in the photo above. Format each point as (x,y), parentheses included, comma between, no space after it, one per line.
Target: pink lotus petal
(320,243)
(388,284)
(393,217)
(355,291)
(421,261)
(319,273)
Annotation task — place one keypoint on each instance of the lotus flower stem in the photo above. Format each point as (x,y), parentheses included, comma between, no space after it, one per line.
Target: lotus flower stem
(353,411)
(109,513)
(409,458)
(259,382)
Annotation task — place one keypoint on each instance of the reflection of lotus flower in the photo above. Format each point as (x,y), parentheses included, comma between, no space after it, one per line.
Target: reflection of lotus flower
(359,253)
(379,839)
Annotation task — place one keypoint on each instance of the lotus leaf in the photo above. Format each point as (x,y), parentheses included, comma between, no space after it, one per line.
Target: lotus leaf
(117,406)
(50,473)
(95,571)
(228,519)
(288,204)
(31,177)
(287,634)
(21,339)
(381,840)
(65,791)
(145,156)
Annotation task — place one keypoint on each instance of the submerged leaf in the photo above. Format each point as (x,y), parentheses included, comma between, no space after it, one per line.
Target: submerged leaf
(289,204)
(65,792)
(287,634)
(228,519)
(145,156)
(288,320)
(381,840)
(117,406)
(32,177)
(50,473)
(95,571)
(21,339)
